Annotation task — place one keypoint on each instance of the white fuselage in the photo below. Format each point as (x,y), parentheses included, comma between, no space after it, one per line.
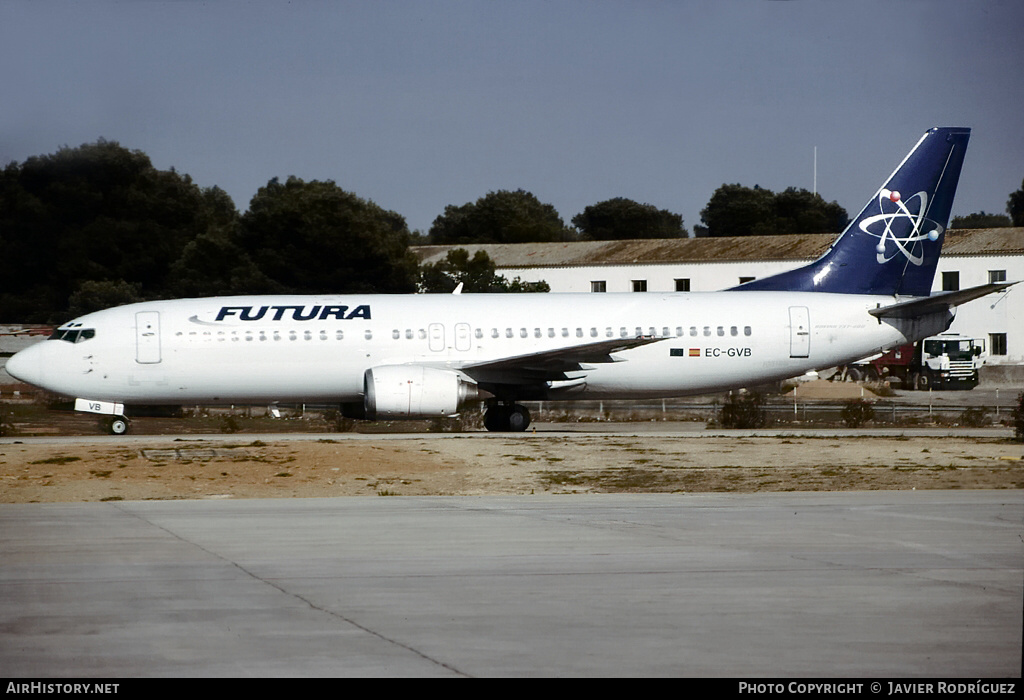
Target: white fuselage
(317,348)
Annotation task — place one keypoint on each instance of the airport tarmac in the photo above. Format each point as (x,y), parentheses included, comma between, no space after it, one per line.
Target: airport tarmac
(880,584)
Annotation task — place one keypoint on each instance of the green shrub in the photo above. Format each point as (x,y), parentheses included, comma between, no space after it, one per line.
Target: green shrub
(857,412)
(743,410)
(1018,419)
(975,418)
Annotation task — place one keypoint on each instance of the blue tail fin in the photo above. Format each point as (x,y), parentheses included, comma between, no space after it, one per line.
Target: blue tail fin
(893,246)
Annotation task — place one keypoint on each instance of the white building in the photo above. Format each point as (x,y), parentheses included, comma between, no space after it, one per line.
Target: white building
(969,258)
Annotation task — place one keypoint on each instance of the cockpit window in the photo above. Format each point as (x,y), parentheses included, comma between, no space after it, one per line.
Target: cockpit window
(73,335)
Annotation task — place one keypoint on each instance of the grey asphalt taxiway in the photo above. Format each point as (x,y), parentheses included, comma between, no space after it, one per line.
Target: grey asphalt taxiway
(883,583)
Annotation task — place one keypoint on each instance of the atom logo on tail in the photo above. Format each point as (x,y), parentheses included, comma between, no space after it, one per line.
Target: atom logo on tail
(904,228)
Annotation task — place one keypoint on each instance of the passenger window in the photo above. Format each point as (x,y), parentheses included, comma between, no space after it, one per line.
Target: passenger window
(396,334)
(746,330)
(734,331)
(368,335)
(579,332)
(721,331)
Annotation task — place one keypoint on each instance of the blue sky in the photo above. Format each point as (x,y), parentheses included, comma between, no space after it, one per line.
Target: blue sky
(417,105)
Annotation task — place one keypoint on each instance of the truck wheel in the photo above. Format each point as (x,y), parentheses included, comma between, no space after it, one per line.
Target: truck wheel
(923,381)
(854,375)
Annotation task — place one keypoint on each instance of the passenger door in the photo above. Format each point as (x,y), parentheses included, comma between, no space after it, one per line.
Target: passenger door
(799,331)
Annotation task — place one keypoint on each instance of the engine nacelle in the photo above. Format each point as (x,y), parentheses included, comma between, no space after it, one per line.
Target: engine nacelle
(411,391)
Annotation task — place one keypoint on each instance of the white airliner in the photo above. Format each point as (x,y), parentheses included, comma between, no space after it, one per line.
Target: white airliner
(395,356)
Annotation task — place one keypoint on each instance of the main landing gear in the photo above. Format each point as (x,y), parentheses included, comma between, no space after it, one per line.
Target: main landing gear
(506,418)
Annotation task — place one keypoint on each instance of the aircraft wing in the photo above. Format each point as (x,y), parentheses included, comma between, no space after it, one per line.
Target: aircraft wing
(937,302)
(552,365)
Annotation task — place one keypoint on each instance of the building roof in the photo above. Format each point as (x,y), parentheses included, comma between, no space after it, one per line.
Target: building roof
(805,246)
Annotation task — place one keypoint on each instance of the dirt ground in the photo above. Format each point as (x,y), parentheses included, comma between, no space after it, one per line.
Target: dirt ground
(164,468)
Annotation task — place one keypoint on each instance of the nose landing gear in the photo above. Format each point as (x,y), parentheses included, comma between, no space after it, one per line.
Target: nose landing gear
(116,425)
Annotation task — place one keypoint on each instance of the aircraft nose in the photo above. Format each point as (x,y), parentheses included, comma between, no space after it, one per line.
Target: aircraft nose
(26,366)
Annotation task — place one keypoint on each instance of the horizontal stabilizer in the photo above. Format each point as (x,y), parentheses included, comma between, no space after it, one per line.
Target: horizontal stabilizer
(938,302)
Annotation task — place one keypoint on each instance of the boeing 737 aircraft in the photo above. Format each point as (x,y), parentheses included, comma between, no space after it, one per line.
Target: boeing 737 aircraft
(419,356)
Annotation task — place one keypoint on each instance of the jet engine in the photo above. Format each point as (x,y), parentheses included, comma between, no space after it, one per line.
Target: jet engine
(412,391)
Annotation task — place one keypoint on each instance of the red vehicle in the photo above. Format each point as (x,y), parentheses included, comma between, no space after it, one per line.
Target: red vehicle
(945,361)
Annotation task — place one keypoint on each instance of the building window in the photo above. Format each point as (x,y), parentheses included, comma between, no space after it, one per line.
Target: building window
(639,285)
(744,280)
(599,286)
(997,343)
(950,281)
(683,284)
(996,276)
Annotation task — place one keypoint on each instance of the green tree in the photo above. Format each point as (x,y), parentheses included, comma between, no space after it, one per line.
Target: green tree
(477,274)
(500,217)
(315,238)
(214,264)
(93,295)
(1015,206)
(622,219)
(800,211)
(735,210)
(99,212)
(981,220)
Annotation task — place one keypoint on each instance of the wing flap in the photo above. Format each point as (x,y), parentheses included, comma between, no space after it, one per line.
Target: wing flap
(551,365)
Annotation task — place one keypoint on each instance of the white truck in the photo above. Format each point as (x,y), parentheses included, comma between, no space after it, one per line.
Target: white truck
(944,361)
